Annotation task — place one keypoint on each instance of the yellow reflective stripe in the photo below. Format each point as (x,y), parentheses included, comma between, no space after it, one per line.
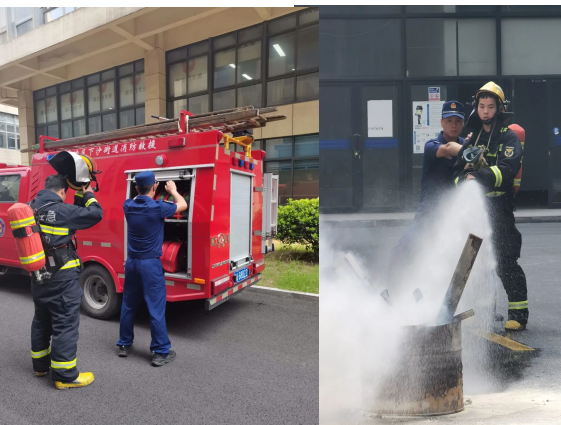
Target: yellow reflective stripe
(518,302)
(494,194)
(39,354)
(491,154)
(90,201)
(80,194)
(32,258)
(517,182)
(70,264)
(63,365)
(29,221)
(456,181)
(518,305)
(54,230)
(498,176)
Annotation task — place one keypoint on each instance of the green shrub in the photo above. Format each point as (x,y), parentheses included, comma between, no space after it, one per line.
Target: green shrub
(298,222)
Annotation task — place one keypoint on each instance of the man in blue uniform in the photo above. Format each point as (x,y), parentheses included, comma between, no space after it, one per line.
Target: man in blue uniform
(144,275)
(57,300)
(438,163)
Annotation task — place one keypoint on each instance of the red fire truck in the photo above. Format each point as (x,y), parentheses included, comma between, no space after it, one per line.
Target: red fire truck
(221,237)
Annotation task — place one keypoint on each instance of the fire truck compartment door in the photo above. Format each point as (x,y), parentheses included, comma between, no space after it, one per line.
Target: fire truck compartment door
(240,217)
(166,175)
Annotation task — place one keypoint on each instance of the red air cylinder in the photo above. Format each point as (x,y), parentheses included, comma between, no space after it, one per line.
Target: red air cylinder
(173,256)
(28,242)
(522,137)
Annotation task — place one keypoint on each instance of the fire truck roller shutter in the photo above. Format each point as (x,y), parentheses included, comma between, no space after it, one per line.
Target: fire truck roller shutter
(240,217)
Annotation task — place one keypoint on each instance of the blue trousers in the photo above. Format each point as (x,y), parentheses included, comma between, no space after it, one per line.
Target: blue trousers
(145,279)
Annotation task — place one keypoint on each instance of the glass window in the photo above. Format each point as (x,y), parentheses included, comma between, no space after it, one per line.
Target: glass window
(52,131)
(199,104)
(281,54)
(40,112)
(52,115)
(2,140)
(306,179)
(126,69)
(79,127)
(532,8)
(10,128)
(250,33)
(93,79)
(139,65)
(140,116)
(177,79)
(94,125)
(448,41)
(65,87)
(108,96)
(139,89)
(78,83)
(341,54)
(249,62)
(78,103)
(283,169)
(279,148)
(198,74)
(280,92)
(126,91)
(126,118)
(177,55)
(224,41)
(9,188)
(50,91)
(109,122)
(450,8)
(10,119)
(308,48)
(224,100)
(307,87)
(179,105)
(306,145)
(24,27)
(93,100)
(519,40)
(224,68)
(281,24)
(199,48)
(108,75)
(307,16)
(359,10)
(250,96)
(66,130)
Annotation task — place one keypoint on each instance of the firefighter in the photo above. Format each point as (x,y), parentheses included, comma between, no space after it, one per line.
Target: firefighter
(495,170)
(54,331)
(144,274)
(438,162)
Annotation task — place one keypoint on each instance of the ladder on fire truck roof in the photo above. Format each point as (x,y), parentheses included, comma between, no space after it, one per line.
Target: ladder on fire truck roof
(226,121)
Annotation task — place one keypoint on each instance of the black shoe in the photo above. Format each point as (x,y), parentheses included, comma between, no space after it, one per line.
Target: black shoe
(124,350)
(160,360)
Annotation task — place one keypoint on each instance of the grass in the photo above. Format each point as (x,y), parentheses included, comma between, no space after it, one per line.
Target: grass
(292,268)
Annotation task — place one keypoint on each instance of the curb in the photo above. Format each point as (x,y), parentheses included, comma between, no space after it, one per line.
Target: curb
(407,222)
(284,294)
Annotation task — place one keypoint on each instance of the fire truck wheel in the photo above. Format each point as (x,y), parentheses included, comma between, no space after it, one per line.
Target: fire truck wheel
(100,299)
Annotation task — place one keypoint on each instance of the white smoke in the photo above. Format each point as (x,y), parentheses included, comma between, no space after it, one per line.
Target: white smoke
(360,333)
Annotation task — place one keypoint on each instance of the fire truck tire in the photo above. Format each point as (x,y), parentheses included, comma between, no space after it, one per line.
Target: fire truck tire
(100,299)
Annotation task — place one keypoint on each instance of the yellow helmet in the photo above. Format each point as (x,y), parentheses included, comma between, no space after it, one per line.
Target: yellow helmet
(492,88)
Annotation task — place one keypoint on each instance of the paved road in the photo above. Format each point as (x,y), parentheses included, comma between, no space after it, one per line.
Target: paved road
(528,387)
(253,360)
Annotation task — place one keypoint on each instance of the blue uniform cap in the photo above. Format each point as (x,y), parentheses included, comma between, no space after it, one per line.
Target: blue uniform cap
(453,108)
(145,178)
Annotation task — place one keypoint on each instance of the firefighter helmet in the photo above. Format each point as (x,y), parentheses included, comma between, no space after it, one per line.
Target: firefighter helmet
(495,90)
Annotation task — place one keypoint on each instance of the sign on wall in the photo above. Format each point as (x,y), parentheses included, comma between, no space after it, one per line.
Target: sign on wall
(380,118)
(426,123)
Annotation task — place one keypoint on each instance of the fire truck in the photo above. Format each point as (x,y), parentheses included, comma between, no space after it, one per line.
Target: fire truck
(211,251)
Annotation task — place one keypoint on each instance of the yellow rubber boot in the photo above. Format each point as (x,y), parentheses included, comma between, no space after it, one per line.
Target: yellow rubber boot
(513,325)
(83,380)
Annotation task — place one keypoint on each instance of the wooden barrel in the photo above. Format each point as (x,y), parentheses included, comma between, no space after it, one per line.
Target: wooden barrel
(427,379)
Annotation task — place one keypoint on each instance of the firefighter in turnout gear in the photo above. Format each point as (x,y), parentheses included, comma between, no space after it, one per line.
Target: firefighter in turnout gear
(493,157)
(54,331)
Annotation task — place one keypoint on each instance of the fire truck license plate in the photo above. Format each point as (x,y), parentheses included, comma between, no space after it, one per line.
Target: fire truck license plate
(241,274)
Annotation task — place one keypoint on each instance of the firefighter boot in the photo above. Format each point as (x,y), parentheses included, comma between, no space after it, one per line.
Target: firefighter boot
(40,374)
(83,380)
(513,325)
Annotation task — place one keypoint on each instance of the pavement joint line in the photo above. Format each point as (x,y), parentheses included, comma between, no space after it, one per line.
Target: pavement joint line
(501,340)
(284,293)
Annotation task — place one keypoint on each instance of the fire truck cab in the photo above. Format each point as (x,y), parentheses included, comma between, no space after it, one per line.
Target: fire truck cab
(211,251)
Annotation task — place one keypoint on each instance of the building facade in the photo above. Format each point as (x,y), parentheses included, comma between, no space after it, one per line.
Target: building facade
(384,72)
(78,71)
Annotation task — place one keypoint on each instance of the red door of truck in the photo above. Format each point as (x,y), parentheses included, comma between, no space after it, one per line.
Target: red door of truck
(13,188)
